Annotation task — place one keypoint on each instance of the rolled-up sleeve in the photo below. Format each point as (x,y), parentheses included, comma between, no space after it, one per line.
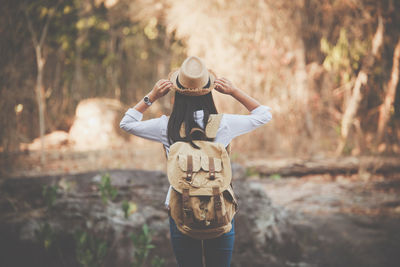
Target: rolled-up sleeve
(241,124)
(153,129)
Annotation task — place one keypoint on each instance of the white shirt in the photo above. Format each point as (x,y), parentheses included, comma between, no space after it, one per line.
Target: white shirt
(231,126)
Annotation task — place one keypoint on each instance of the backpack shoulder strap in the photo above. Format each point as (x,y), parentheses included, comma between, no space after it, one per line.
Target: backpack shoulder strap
(213,125)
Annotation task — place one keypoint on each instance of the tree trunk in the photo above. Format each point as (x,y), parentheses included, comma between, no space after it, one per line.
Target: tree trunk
(78,84)
(361,80)
(114,51)
(384,110)
(40,61)
(40,98)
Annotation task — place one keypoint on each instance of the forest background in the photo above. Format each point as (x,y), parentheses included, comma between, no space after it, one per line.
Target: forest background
(329,69)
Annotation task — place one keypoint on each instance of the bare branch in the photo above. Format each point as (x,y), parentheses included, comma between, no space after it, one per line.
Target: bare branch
(31,30)
(45,28)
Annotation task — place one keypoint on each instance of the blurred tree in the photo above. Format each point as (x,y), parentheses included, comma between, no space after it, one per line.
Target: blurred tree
(385,108)
(302,58)
(84,49)
(346,30)
(361,80)
(44,12)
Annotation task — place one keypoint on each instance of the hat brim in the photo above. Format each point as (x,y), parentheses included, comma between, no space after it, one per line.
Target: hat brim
(173,75)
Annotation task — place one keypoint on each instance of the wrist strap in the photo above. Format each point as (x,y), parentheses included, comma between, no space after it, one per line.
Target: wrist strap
(147,101)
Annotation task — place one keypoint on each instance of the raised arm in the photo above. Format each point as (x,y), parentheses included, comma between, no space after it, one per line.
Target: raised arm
(226,87)
(241,124)
(149,129)
(160,89)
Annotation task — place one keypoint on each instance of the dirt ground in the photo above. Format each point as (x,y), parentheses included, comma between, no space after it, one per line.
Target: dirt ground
(332,214)
(324,194)
(358,193)
(148,156)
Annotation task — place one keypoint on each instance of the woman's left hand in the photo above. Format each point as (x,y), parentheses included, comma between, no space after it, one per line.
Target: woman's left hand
(160,89)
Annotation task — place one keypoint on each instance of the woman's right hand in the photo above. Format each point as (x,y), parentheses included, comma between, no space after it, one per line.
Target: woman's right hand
(160,89)
(224,86)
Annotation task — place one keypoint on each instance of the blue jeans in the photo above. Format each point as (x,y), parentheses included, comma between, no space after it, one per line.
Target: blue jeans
(218,251)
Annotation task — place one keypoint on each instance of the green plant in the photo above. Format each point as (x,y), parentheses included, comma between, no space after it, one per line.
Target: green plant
(275,176)
(234,156)
(49,194)
(107,191)
(128,208)
(157,262)
(12,204)
(251,172)
(338,129)
(45,235)
(125,208)
(344,57)
(142,244)
(90,251)
(347,149)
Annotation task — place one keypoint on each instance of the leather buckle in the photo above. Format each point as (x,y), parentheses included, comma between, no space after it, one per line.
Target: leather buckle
(189,177)
(187,211)
(212,176)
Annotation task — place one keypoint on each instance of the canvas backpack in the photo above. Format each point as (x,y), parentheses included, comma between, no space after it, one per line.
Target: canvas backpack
(202,202)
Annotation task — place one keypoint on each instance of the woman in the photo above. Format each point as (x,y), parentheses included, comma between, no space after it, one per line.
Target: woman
(193,104)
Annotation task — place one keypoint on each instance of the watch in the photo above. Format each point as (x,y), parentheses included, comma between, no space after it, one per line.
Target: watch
(146,100)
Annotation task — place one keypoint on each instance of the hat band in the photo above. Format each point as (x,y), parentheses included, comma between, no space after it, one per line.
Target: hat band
(180,86)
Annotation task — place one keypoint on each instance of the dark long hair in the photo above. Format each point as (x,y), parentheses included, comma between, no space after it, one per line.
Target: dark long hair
(182,112)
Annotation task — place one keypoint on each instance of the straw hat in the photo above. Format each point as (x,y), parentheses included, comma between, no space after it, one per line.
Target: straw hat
(192,78)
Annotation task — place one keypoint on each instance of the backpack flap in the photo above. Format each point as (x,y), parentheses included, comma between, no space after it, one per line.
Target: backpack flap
(184,162)
(199,169)
(207,161)
(189,164)
(199,172)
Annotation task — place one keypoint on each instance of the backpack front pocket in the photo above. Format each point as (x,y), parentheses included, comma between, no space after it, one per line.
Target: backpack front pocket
(211,165)
(199,170)
(189,162)
(190,166)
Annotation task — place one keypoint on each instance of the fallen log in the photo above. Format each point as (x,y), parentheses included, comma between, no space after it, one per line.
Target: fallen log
(345,165)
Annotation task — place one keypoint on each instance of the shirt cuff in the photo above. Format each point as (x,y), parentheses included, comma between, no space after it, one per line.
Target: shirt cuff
(135,114)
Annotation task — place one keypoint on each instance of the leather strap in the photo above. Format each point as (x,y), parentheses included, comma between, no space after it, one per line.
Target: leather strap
(187,209)
(196,129)
(218,205)
(211,168)
(211,128)
(189,168)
